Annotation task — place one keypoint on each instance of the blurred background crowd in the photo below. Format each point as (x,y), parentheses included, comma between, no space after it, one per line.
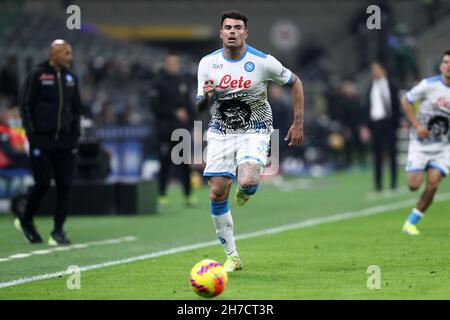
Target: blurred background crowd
(119,56)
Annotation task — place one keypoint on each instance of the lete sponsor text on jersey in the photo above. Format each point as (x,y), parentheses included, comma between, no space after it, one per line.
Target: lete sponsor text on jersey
(226,82)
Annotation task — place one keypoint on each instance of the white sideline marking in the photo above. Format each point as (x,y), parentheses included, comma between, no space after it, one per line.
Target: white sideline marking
(41,251)
(62,248)
(66,248)
(299,225)
(20,256)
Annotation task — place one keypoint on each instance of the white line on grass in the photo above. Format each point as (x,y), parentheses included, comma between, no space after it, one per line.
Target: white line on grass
(71,247)
(294,226)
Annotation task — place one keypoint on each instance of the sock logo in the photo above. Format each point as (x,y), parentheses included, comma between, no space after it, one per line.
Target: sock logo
(222,240)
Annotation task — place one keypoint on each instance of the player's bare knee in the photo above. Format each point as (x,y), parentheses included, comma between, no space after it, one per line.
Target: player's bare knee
(249,174)
(433,185)
(216,196)
(219,189)
(413,186)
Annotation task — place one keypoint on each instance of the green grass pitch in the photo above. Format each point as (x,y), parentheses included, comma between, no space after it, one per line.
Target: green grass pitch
(327,260)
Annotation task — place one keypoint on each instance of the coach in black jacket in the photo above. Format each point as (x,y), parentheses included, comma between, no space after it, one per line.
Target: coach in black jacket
(51,110)
(382,118)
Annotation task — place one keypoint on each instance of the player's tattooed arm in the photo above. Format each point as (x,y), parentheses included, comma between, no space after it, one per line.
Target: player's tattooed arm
(249,174)
(208,91)
(295,133)
(409,112)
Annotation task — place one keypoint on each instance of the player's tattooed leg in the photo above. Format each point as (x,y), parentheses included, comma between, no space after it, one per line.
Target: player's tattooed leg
(249,174)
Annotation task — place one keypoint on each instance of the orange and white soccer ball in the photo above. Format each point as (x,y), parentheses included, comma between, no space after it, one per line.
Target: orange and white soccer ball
(208,278)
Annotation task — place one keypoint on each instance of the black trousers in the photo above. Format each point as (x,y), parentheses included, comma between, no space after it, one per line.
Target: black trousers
(183,171)
(384,139)
(45,164)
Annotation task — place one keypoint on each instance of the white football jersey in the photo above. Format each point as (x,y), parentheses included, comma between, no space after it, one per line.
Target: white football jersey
(240,90)
(433,97)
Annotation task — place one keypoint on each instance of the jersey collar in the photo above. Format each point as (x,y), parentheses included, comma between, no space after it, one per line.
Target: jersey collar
(238,59)
(443,82)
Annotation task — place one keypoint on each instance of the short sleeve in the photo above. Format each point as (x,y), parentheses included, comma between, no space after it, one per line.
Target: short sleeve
(202,76)
(417,93)
(277,72)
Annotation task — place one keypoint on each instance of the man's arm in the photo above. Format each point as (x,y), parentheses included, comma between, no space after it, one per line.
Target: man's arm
(77,109)
(27,100)
(409,112)
(295,133)
(203,103)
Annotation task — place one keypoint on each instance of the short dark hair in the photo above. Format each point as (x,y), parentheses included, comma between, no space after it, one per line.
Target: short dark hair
(446,53)
(381,63)
(233,14)
(171,53)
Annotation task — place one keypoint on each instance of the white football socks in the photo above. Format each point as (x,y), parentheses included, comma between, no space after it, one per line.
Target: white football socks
(224,231)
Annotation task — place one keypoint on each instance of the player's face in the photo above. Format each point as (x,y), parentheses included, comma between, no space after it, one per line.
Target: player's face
(64,56)
(172,64)
(445,66)
(233,33)
(377,71)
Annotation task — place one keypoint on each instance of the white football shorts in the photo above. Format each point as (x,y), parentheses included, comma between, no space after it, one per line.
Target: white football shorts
(225,152)
(421,159)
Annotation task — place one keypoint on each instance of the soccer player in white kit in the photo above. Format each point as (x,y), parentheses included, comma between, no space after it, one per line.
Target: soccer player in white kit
(233,82)
(429,148)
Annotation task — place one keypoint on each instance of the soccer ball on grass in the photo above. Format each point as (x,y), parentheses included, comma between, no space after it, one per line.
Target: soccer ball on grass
(208,278)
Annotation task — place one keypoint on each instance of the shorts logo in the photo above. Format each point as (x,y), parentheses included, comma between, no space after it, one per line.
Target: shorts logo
(409,164)
(249,66)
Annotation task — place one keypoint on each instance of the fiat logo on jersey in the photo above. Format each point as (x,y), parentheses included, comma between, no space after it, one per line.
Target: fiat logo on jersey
(249,66)
(226,82)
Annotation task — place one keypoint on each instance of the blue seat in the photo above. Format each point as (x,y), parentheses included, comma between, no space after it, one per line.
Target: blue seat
(9,176)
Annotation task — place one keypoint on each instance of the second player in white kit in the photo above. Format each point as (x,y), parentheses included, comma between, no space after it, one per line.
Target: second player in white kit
(233,82)
(429,148)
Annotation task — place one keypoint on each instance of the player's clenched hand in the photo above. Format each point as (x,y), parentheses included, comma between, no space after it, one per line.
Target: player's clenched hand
(208,89)
(295,134)
(422,132)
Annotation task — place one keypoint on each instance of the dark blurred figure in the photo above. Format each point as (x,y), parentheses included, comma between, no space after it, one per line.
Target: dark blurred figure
(364,38)
(347,109)
(173,110)
(402,56)
(432,10)
(382,116)
(315,62)
(105,115)
(9,83)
